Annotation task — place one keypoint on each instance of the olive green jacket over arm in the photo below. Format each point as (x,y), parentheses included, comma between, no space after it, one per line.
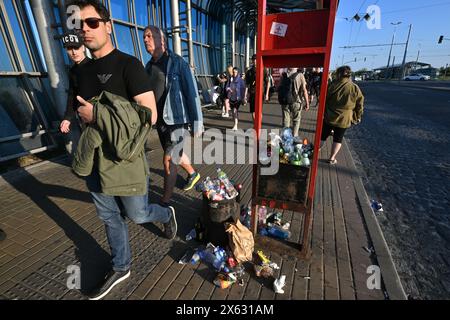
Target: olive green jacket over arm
(114,145)
(345,104)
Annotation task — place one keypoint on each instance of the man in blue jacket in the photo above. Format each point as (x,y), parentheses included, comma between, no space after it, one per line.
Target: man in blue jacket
(178,105)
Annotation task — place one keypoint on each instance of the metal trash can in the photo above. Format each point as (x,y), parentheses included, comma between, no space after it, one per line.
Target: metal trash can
(214,216)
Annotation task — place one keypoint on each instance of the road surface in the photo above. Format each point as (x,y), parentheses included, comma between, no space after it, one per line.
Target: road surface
(402,150)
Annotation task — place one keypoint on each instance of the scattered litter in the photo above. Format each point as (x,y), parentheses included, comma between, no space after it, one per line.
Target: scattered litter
(186,258)
(369,250)
(195,258)
(223,281)
(220,188)
(274,218)
(278,232)
(286,226)
(273,265)
(376,206)
(263,258)
(231,262)
(263,271)
(307,278)
(191,235)
(278,284)
(241,282)
(199,230)
(291,150)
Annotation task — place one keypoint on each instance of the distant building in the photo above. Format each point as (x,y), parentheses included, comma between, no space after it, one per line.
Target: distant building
(395,71)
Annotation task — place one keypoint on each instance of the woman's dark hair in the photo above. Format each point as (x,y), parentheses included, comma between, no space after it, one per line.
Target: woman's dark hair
(98,6)
(343,72)
(235,69)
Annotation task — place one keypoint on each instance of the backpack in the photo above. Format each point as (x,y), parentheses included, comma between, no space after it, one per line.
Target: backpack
(286,91)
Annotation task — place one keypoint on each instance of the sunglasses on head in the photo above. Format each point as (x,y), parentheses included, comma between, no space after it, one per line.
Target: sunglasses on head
(92,23)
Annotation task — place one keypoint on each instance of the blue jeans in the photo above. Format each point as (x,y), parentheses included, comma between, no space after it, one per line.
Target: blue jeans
(137,208)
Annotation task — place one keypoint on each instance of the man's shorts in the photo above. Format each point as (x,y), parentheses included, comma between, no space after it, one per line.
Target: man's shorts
(170,136)
(251,102)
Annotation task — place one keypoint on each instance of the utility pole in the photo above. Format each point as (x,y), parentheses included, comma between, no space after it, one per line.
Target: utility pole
(406,51)
(417,60)
(393,65)
(392,43)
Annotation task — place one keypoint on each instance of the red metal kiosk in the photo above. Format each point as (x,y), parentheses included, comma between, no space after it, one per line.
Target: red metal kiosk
(292,40)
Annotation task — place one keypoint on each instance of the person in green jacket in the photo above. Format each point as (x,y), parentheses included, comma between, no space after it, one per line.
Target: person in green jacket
(344,108)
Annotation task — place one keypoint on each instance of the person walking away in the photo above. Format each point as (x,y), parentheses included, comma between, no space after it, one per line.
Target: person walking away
(235,93)
(226,81)
(76,51)
(178,105)
(291,93)
(120,74)
(317,81)
(250,82)
(344,107)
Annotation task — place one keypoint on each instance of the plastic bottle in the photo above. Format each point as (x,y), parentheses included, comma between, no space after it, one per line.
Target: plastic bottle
(286,133)
(305,160)
(248,219)
(278,232)
(199,230)
(208,184)
(228,185)
(208,255)
(262,215)
(195,258)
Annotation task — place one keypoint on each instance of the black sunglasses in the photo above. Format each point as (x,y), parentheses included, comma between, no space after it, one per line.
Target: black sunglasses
(92,23)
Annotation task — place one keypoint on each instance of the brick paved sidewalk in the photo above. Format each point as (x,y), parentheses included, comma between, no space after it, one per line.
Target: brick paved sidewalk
(51,224)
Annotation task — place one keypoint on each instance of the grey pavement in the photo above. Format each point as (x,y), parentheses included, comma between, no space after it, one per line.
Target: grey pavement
(402,151)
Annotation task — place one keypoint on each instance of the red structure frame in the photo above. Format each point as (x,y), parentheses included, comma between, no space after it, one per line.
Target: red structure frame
(307,43)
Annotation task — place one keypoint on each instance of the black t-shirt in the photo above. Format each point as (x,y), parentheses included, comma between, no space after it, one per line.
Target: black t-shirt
(72,102)
(250,79)
(157,71)
(117,72)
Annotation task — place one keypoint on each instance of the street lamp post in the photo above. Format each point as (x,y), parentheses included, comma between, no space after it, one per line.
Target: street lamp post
(392,44)
(406,51)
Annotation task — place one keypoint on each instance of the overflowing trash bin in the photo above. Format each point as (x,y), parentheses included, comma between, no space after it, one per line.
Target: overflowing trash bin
(291,181)
(220,205)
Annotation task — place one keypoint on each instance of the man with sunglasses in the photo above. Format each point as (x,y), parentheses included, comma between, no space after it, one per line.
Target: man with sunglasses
(121,74)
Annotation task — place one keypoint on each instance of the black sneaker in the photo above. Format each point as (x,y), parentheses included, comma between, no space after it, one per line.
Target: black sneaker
(111,279)
(2,235)
(191,181)
(170,228)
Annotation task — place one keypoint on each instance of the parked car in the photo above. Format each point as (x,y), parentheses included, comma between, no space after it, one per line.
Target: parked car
(416,76)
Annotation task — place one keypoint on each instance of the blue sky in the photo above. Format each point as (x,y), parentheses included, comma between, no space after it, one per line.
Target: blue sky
(429,19)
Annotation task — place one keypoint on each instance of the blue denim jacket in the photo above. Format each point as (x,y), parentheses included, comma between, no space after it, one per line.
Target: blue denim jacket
(238,85)
(182,103)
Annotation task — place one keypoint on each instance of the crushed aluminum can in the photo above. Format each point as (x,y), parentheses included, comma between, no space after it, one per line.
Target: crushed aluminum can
(376,206)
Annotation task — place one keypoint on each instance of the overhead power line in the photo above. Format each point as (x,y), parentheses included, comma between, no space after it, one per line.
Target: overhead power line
(372,45)
(418,8)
